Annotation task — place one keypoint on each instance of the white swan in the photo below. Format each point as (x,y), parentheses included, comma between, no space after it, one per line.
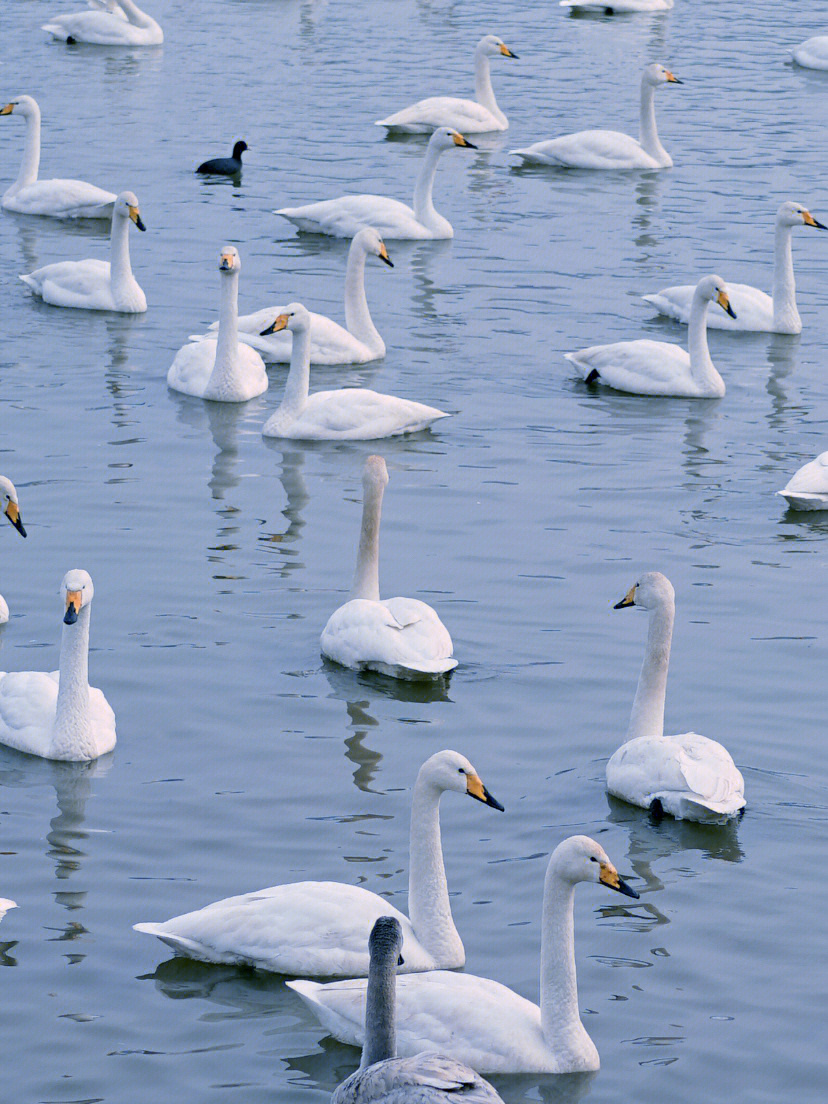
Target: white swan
(401,637)
(11,508)
(93,284)
(611,149)
(479,1021)
(344,216)
(358,343)
(382,1077)
(57,198)
(5,906)
(611,7)
(688,776)
(657,367)
(808,489)
(754,309)
(59,715)
(221,368)
(475,116)
(351,414)
(111,24)
(322,928)
(813,53)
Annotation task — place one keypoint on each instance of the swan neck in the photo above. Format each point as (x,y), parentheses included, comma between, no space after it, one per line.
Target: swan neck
(560,1019)
(227,339)
(648,132)
(71,734)
(134,14)
(647,717)
(358,319)
(120,267)
(483,91)
(428,899)
(702,368)
(380,1014)
(297,384)
(366,576)
(785,312)
(31,150)
(424,211)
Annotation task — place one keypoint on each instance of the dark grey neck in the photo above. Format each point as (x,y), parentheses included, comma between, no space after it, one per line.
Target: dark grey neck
(380,1011)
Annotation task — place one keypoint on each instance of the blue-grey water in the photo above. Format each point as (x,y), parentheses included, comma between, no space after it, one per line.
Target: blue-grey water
(242,760)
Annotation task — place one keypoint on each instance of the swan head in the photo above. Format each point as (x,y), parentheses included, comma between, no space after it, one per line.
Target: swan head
(295,318)
(375,473)
(238,149)
(369,239)
(652,591)
(581,859)
(448,770)
(714,289)
(77,592)
(795,214)
(126,206)
(492,46)
(8,501)
(385,942)
(445,138)
(23,105)
(229,260)
(656,74)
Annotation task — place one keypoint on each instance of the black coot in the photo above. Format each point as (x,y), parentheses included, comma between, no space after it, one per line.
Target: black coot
(225,166)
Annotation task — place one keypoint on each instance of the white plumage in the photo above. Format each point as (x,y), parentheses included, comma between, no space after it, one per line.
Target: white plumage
(808,489)
(813,53)
(5,905)
(11,508)
(613,7)
(112,23)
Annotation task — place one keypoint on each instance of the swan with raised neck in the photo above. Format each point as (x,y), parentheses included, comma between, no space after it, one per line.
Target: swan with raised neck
(11,508)
(112,23)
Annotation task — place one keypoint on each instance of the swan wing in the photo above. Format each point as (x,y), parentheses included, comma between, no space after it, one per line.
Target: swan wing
(467,116)
(416,1080)
(330,342)
(354,414)
(398,633)
(103,721)
(74,284)
(643,367)
(812,478)
(27,710)
(753,308)
(590,149)
(61,199)
(347,215)
(6,905)
(813,53)
(192,367)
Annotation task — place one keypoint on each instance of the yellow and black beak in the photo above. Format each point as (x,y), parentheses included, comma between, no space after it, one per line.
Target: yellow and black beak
(73,604)
(226,262)
(476,789)
(383,256)
(7,110)
(724,303)
(672,79)
(459,140)
(135,215)
(809,220)
(609,877)
(628,599)
(13,514)
(280,324)
(504,49)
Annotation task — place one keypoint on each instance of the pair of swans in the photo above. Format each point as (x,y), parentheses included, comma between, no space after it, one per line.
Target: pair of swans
(400,637)
(59,715)
(688,776)
(611,149)
(813,53)
(754,309)
(382,1077)
(57,198)
(11,508)
(647,367)
(479,1021)
(808,489)
(93,284)
(111,23)
(476,116)
(344,216)
(321,928)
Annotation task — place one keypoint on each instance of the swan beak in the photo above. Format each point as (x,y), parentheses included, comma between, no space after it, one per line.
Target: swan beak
(628,599)
(7,110)
(13,514)
(383,256)
(226,262)
(280,323)
(504,49)
(476,789)
(135,215)
(459,140)
(671,79)
(724,303)
(809,220)
(73,604)
(609,877)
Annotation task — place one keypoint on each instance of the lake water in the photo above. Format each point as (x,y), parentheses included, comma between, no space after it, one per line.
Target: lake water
(242,759)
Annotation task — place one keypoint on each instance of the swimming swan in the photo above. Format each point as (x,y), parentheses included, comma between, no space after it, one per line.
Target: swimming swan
(657,367)
(93,284)
(351,414)
(57,198)
(479,1021)
(400,637)
(808,489)
(344,216)
(754,309)
(358,343)
(468,116)
(111,24)
(382,1077)
(813,53)
(11,508)
(688,776)
(610,149)
(59,715)
(221,368)
(322,928)
(611,7)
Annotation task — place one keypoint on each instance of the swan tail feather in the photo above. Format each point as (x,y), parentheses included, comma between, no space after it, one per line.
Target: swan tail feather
(179,943)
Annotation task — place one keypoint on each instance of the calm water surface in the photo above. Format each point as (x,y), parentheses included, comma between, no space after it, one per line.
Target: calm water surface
(242,759)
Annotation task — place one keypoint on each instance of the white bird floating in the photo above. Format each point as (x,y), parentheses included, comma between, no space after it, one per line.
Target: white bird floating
(5,906)
(813,53)
(617,7)
(11,508)
(93,284)
(610,149)
(360,341)
(344,216)
(754,310)
(688,776)
(59,715)
(321,928)
(647,367)
(350,414)
(382,1077)
(476,116)
(112,23)
(808,489)
(57,198)
(479,1021)
(221,368)
(400,637)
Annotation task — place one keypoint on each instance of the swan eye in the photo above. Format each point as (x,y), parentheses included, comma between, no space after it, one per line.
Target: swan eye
(460,770)
(592,858)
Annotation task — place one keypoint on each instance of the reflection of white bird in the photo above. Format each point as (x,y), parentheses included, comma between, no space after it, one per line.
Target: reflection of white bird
(813,53)
(688,776)
(112,23)
(808,489)
(611,7)
(5,905)
(322,928)
(401,637)
(468,116)
(479,1021)
(11,508)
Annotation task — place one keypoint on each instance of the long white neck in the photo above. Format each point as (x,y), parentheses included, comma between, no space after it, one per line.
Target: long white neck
(227,374)
(785,314)
(120,268)
(134,14)
(648,133)
(483,91)
(380,1014)
(72,737)
(297,384)
(424,210)
(31,149)
(647,717)
(366,575)
(702,368)
(358,319)
(428,899)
